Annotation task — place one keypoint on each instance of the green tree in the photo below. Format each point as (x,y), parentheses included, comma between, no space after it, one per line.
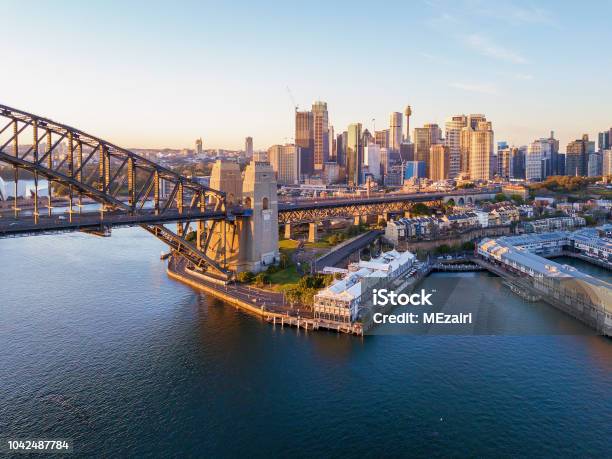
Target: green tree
(245,277)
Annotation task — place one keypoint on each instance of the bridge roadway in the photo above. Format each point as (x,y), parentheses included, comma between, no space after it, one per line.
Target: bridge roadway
(9,226)
(326,203)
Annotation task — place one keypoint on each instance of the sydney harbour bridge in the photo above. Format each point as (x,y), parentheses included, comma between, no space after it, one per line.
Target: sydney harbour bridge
(103,186)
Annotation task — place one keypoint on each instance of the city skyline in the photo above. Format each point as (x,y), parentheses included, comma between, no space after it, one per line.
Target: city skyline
(162,77)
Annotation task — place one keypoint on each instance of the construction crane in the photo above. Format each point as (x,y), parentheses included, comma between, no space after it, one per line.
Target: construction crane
(296,106)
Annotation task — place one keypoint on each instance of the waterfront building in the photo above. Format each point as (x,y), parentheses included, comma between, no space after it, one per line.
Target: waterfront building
(285,161)
(304,138)
(371,156)
(248,147)
(320,133)
(577,156)
(439,162)
(354,155)
(553,224)
(414,169)
(453,127)
(342,300)
(395,130)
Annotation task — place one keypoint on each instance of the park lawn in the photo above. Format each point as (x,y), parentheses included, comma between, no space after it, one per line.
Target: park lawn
(284,278)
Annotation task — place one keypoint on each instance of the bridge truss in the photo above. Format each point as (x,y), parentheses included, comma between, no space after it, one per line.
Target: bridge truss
(81,169)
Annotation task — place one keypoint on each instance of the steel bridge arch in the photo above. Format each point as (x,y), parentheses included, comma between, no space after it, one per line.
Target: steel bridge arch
(92,167)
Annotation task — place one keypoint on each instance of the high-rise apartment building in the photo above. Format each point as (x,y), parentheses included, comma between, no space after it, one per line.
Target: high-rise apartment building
(439,162)
(285,161)
(248,147)
(354,155)
(385,164)
(577,156)
(481,151)
(395,130)
(595,166)
(304,138)
(424,138)
(453,127)
(320,127)
(198,146)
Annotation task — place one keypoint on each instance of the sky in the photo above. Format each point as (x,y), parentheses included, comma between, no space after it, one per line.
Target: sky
(161,74)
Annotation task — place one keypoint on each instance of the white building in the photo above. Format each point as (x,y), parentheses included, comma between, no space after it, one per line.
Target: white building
(342,300)
(371,157)
(538,153)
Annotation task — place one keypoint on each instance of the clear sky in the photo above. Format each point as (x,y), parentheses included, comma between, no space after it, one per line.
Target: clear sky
(160,74)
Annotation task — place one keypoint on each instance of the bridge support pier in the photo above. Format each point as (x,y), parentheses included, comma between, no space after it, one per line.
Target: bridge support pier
(357,220)
(312,232)
(287,230)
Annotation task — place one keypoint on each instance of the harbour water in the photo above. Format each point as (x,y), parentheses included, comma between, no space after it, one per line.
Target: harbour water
(99,346)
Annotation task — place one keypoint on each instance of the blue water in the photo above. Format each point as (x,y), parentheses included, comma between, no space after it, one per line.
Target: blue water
(97,345)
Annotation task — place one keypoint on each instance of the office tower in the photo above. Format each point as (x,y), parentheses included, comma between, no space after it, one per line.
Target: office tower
(481,151)
(260,156)
(595,166)
(384,161)
(552,168)
(561,164)
(452,140)
(537,159)
(285,161)
(341,148)
(607,163)
(406,152)
(371,157)
(414,169)
(382,138)
(320,134)
(304,138)
(248,147)
(604,140)
(354,155)
(424,138)
(439,162)
(408,112)
(505,163)
(366,137)
(198,146)
(577,156)
(332,145)
(395,130)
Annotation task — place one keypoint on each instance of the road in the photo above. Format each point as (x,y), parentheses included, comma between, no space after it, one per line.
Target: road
(338,254)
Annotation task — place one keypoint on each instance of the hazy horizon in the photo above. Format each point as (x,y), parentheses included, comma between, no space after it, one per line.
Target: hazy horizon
(160,75)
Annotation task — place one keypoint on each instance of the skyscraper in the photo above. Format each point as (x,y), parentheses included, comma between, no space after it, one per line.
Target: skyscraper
(371,157)
(341,148)
(382,138)
(438,162)
(285,161)
(354,155)
(248,147)
(481,151)
(505,163)
(395,130)
(453,128)
(595,166)
(538,159)
(607,163)
(304,138)
(604,140)
(198,146)
(577,156)
(424,138)
(320,125)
